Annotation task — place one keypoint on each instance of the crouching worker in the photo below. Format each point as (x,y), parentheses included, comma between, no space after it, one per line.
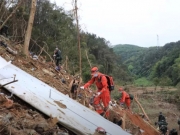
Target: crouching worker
(74,88)
(125,98)
(102,93)
(162,126)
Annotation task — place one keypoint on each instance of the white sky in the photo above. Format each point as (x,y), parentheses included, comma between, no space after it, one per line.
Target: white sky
(136,22)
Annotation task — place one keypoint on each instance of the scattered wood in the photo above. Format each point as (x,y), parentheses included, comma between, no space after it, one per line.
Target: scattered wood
(48,72)
(124,121)
(34,64)
(11,14)
(43,50)
(11,51)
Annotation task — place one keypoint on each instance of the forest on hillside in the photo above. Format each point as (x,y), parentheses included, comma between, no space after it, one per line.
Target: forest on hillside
(55,27)
(159,64)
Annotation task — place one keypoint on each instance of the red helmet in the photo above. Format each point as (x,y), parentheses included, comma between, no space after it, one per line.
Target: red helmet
(94,69)
(101,130)
(120,89)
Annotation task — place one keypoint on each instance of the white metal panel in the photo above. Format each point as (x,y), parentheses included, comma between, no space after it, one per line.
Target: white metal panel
(48,100)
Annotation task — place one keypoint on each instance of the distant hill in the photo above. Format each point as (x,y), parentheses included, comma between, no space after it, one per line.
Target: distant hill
(139,60)
(162,63)
(127,51)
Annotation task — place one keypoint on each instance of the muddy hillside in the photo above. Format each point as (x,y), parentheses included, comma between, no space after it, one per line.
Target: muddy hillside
(19,118)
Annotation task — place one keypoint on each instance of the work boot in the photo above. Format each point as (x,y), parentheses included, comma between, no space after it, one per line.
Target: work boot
(57,68)
(102,114)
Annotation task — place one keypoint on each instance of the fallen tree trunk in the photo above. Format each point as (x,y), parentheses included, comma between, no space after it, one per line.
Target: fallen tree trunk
(142,109)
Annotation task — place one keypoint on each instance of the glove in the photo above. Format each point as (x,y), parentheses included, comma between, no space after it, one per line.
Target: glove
(110,103)
(122,103)
(54,55)
(98,93)
(82,87)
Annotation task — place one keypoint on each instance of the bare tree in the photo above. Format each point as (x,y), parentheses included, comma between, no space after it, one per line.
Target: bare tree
(2,4)
(78,36)
(29,27)
(11,14)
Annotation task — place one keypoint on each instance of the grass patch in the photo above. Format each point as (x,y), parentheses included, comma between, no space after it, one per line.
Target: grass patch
(170,96)
(143,82)
(147,104)
(115,95)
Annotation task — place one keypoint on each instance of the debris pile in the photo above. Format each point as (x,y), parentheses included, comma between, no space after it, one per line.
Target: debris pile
(5,102)
(16,119)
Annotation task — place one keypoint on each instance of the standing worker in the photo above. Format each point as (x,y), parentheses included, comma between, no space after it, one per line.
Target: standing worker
(102,94)
(58,58)
(125,98)
(161,117)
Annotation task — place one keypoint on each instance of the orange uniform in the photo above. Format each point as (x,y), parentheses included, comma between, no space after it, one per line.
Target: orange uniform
(125,98)
(102,87)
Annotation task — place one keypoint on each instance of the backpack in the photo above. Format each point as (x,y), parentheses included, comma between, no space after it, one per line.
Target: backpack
(58,55)
(110,82)
(161,118)
(131,96)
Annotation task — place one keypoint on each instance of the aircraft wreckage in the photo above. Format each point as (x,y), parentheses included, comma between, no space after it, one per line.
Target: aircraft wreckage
(74,116)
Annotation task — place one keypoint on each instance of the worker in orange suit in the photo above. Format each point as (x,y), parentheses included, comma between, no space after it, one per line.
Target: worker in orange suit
(125,98)
(102,93)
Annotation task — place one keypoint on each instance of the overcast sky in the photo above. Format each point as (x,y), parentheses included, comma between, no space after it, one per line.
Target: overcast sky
(136,22)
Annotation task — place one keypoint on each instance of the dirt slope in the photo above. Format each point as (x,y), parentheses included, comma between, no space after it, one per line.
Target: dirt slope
(23,119)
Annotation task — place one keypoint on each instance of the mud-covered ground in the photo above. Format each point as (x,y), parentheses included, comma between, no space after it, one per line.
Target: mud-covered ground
(153,103)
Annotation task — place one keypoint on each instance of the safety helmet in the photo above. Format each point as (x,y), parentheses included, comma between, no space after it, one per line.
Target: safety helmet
(120,89)
(101,130)
(94,69)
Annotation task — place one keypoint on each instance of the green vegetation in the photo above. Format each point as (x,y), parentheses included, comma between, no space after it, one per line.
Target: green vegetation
(143,82)
(159,64)
(55,27)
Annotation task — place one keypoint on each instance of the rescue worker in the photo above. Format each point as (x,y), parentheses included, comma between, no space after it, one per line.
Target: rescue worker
(74,88)
(125,98)
(58,58)
(102,93)
(161,117)
(162,126)
(173,132)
